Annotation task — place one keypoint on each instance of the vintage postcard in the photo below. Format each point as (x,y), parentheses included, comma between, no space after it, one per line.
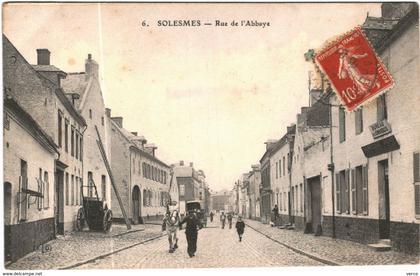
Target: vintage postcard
(210,135)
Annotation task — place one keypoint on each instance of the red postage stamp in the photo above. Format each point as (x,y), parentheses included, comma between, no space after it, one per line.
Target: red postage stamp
(353,68)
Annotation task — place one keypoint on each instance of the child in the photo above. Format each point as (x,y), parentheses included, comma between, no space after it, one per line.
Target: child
(240,226)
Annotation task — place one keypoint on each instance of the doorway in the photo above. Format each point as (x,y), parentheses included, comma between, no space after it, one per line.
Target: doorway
(136,205)
(384,207)
(315,203)
(59,202)
(7,204)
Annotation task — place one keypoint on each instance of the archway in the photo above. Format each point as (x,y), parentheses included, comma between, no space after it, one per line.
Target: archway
(136,196)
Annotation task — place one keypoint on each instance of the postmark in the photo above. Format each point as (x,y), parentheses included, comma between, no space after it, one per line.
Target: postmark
(355,71)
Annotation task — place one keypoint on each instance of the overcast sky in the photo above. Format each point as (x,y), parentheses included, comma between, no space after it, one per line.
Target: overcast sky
(210,95)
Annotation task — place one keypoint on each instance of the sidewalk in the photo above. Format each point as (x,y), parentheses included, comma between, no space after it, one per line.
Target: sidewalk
(81,246)
(334,251)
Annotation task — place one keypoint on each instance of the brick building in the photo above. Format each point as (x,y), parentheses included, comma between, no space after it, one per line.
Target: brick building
(37,89)
(142,180)
(84,91)
(254,180)
(28,168)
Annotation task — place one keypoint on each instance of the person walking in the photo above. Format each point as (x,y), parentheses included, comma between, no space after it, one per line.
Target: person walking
(229,218)
(211,216)
(223,219)
(193,224)
(240,226)
(276,214)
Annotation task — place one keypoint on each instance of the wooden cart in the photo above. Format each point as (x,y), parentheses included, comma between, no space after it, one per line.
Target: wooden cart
(93,211)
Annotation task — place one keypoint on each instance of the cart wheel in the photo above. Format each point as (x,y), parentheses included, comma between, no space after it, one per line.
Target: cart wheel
(107,221)
(80,220)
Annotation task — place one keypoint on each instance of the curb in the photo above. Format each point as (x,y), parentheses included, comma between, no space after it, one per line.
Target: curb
(128,232)
(312,256)
(108,254)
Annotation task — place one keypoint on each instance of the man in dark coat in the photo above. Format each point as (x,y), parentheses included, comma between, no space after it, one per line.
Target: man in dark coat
(276,214)
(191,232)
(211,216)
(240,226)
(223,219)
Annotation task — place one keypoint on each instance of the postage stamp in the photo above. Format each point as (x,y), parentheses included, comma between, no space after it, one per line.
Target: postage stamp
(353,68)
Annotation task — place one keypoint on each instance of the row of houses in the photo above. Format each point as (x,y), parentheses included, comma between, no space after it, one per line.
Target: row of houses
(52,120)
(350,175)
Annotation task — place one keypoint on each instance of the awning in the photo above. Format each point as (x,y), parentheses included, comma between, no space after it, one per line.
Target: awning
(381,146)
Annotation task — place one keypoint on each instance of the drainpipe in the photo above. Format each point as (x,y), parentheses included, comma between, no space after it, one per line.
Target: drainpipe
(331,166)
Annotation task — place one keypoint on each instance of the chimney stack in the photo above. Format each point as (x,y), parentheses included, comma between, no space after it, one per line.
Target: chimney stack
(191,164)
(134,133)
(108,112)
(91,67)
(43,56)
(181,163)
(118,121)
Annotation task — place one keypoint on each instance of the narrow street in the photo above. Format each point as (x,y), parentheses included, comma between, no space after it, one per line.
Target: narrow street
(216,248)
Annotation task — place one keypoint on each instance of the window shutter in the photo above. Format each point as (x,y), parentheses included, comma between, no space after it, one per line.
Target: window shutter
(353,192)
(337,191)
(417,198)
(365,190)
(347,193)
(416,166)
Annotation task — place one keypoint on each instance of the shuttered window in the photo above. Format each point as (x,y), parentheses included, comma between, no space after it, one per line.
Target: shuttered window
(347,191)
(67,188)
(342,124)
(416,175)
(359,120)
(365,190)
(46,191)
(359,189)
(382,113)
(353,192)
(337,193)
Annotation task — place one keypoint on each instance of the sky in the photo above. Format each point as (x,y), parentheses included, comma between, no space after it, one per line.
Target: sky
(210,95)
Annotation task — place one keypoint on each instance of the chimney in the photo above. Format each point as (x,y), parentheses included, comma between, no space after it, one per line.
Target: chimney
(150,148)
(181,163)
(118,121)
(191,164)
(270,143)
(134,133)
(108,112)
(91,67)
(43,56)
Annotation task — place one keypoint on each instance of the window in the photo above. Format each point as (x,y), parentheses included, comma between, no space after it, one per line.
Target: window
(103,187)
(144,197)
(382,112)
(345,191)
(90,184)
(81,148)
(301,197)
(284,166)
(280,167)
(67,188)
(72,142)
(46,191)
(40,189)
(60,121)
(72,189)
(77,145)
(337,193)
(102,120)
(416,175)
(90,113)
(182,190)
(23,203)
(365,190)
(77,192)
(277,170)
(342,124)
(139,164)
(358,116)
(66,136)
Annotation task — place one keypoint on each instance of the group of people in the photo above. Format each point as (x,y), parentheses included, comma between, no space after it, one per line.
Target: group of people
(172,222)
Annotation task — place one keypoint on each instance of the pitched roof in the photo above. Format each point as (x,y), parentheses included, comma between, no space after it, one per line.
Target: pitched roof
(47,68)
(75,83)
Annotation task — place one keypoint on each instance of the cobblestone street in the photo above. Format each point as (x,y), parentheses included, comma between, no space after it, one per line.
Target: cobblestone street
(216,248)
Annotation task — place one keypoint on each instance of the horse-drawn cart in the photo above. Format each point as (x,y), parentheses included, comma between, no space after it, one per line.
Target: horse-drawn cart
(93,211)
